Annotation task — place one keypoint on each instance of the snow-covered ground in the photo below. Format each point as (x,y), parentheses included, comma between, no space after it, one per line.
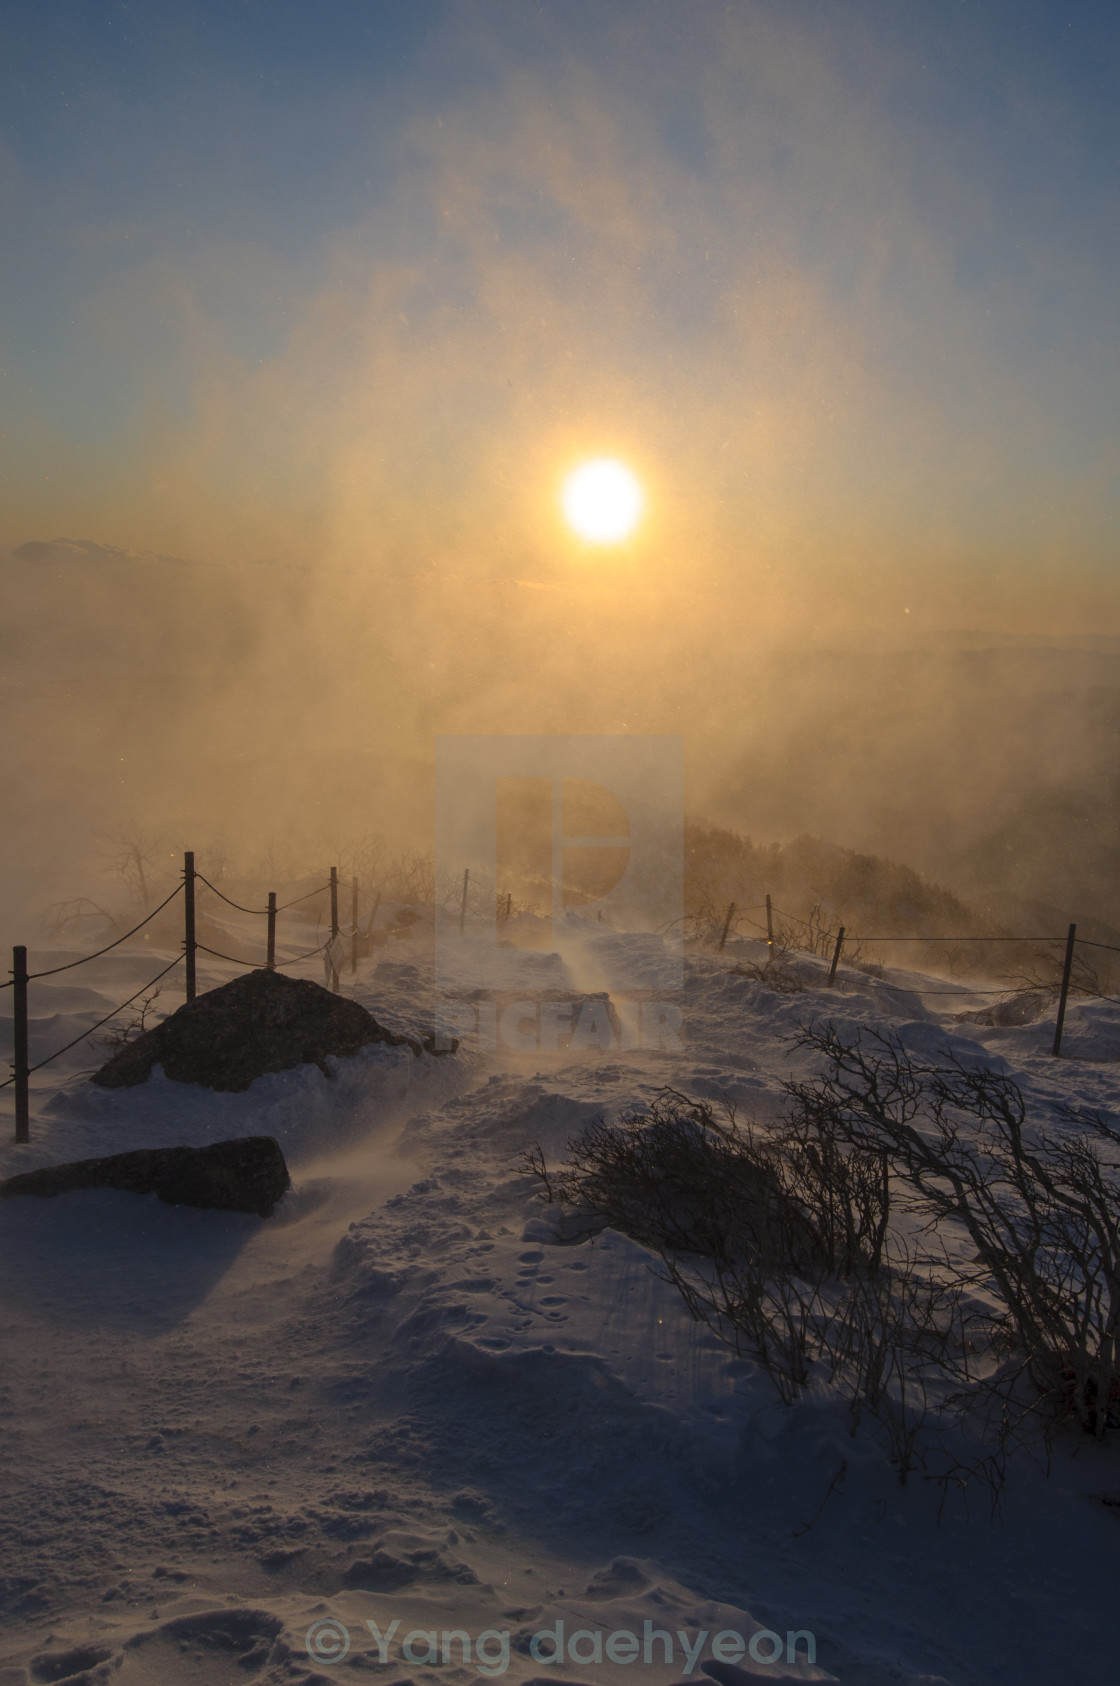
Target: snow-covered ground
(245,1450)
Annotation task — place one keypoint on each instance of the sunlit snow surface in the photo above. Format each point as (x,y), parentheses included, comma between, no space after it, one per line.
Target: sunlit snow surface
(410,1397)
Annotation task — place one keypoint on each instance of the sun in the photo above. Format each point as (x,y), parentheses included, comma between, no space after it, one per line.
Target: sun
(602,501)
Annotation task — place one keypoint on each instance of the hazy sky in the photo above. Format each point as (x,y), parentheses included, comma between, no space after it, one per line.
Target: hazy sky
(354,284)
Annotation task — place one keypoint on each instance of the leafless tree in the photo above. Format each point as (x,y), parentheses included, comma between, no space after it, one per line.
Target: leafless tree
(60,918)
(134,855)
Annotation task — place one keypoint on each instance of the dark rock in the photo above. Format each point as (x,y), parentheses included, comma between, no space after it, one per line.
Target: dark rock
(246,1175)
(261,1022)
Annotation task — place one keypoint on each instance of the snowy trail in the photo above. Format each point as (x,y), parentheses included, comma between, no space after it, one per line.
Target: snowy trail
(402,1399)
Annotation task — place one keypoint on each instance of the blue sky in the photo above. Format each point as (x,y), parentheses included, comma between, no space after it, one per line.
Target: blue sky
(832,274)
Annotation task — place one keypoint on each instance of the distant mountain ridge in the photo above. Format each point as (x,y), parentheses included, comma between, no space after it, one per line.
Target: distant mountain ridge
(59,551)
(866,892)
(76,550)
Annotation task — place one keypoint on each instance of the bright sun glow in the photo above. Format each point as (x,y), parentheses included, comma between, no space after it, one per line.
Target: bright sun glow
(602,501)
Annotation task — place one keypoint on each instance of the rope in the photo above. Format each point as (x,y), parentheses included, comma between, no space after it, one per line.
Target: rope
(66,1049)
(953,989)
(309,955)
(100,1022)
(796,919)
(229,957)
(250,963)
(963,989)
(307,898)
(860,938)
(226,899)
(262,910)
(1081,989)
(70,964)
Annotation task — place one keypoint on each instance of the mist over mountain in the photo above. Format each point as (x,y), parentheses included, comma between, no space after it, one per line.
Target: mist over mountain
(261,705)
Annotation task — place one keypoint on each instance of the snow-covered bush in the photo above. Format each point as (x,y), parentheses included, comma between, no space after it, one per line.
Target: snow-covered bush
(904,1237)
(753,1229)
(1041,1211)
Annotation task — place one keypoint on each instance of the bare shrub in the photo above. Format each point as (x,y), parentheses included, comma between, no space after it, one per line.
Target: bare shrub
(122,1031)
(1025,1006)
(784,1243)
(675,1175)
(1042,1212)
(61,918)
(751,1230)
(815,934)
(534,1164)
(1039,975)
(847,1190)
(771,974)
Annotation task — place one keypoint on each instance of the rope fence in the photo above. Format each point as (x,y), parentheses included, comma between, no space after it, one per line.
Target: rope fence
(1066,986)
(118,1009)
(96,955)
(222,895)
(261,910)
(22,1069)
(191,947)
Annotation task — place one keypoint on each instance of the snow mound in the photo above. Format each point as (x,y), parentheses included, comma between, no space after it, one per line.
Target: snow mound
(206,1647)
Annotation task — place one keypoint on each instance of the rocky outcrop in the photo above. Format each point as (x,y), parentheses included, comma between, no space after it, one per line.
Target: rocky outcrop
(246,1175)
(259,1023)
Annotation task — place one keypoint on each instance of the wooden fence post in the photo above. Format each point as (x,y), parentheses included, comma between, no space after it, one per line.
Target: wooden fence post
(19,1050)
(334,927)
(726,927)
(189,944)
(270,963)
(463,909)
(835,957)
(769,928)
(353,924)
(1067,969)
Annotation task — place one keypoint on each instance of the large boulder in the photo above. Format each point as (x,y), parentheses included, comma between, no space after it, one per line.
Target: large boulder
(261,1022)
(246,1175)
